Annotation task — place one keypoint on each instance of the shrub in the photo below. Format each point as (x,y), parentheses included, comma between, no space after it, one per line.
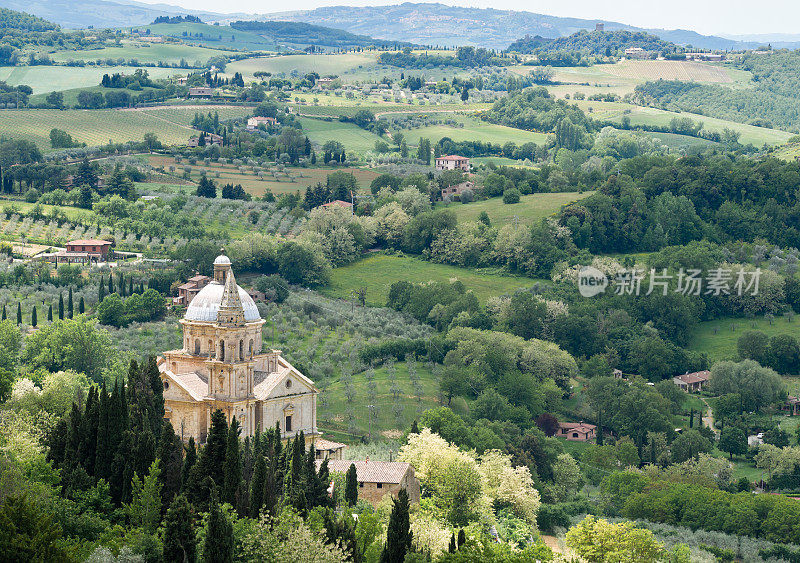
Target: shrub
(511,195)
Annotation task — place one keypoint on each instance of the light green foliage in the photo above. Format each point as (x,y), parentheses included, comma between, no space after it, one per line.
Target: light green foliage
(757,386)
(598,541)
(145,507)
(75,344)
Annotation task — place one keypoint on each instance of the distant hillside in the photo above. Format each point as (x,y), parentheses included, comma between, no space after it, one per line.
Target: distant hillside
(597,43)
(437,24)
(21,21)
(74,14)
(528,44)
(299,33)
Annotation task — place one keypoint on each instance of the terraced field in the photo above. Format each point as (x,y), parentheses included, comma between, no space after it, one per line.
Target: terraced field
(183,115)
(93,127)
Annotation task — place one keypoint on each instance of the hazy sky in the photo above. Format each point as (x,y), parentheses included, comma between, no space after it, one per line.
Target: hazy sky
(705,16)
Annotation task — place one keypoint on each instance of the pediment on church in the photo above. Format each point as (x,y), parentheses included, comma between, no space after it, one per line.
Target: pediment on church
(184,387)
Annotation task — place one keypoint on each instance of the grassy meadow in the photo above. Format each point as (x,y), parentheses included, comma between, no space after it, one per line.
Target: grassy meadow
(302,64)
(530,209)
(379,271)
(472,128)
(718,338)
(353,137)
(144,53)
(44,79)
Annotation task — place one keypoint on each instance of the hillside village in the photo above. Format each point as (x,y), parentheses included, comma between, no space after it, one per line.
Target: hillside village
(273,289)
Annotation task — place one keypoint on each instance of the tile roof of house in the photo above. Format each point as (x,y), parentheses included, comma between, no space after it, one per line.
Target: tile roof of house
(323,444)
(371,471)
(582,427)
(452,157)
(338,203)
(89,241)
(695,377)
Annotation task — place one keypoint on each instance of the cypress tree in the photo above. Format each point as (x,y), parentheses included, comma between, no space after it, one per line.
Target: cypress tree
(218,547)
(130,286)
(110,284)
(398,534)
(103,452)
(74,435)
(70,308)
(188,462)
(121,285)
(61,306)
(257,486)
(295,481)
(414,427)
(87,453)
(179,539)
(123,462)
(50,313)
(81,306)
(171,460)
(452,547)
(233,465)
(34,319)
(351,486)
(600,428)
(19,313)
(101,290)
(462,537)
(4,312)
(208,471)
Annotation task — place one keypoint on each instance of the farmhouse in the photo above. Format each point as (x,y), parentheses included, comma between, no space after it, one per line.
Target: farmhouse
(457,189)
(84,251)
(324,81)
(577,431)
(254,122)
(692,382)
(201,92)
(712,57)
(209,138)
(188,290)
(376,479)
(637,53)
(325,449)
(792,405)
(452,162)
(223,365)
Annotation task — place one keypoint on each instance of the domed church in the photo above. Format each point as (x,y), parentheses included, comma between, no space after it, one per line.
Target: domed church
(223,365)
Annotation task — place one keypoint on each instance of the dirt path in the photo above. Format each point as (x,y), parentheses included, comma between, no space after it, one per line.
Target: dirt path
(708,417)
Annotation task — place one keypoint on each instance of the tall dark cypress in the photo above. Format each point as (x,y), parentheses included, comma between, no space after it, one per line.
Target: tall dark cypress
(188,462)
(398,533)
(179,537)
(91,418)
(101,289)
(218,546)
(70,309)
(294,480)
(233,466)
(110,284)
(81,306)
(130,285)
(34,317)
(257,486)
(4,312)
(351,486)
(104,455)
(171,463)
(208,471)
(19,313)
(61,306)
(153,377)
(50,313)
(121,466)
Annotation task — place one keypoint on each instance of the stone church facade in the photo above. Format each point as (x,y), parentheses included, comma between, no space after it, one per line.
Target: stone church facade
(223,365)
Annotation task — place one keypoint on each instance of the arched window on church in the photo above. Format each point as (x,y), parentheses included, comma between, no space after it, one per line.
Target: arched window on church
(197,347)
(221,350)
(241,349)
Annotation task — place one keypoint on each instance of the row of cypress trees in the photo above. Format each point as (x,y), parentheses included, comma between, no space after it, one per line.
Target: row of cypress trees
(70,310)
(125,289)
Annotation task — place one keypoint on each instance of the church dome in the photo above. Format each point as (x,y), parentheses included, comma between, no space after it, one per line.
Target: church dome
(205,305)
(222,260)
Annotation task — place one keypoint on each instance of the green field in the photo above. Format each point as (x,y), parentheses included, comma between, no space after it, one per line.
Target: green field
(93,127)
(144,53)
(473,129)
(215,36)
(718,338)
(530,209)
(334,408)
(183,115)
(353,137)
(379,271)
(302,64)
(615,111)
(44,79)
